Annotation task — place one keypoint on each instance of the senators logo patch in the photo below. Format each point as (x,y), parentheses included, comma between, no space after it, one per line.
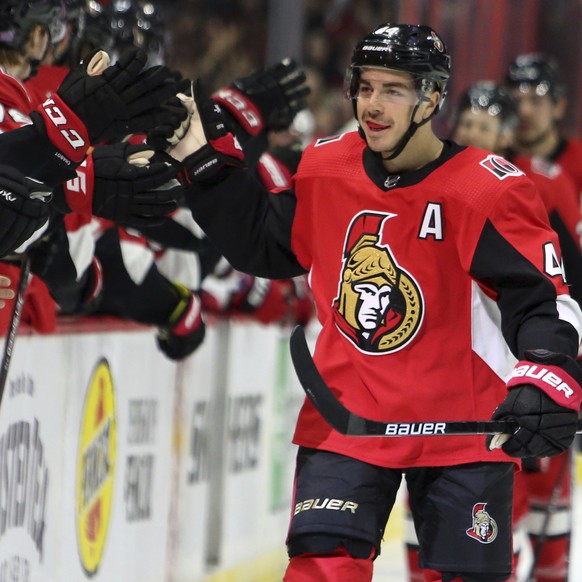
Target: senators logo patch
(379,306)
(500,167)
(484,527)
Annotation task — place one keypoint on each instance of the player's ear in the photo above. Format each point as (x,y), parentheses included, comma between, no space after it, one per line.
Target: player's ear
(433,100)
(560,109)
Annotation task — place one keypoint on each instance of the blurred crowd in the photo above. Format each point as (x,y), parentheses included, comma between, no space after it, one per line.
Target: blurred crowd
(231,39)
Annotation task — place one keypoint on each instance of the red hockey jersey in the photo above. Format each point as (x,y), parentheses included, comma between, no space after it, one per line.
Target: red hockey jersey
(569,156)
(429,285)
(423,284)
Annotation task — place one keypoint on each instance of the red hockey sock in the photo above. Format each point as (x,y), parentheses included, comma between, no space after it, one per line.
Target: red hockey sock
(552,561)
(329,568)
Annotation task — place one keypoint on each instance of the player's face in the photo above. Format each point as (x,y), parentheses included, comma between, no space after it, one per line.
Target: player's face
(479,129)
(385,101)
(537,115)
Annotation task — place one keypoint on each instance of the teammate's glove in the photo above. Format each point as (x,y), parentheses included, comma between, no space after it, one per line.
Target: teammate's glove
(208,147)
(130,189)
(24,208)
(45,255)
(50,260)
(98,102)
(168,133)
(266,99)
(544,399)
(262,299)
(186,329)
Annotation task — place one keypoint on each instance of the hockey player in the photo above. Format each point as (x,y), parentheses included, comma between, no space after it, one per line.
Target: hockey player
(438,284)
(486,117)
(535,83)
(61,134)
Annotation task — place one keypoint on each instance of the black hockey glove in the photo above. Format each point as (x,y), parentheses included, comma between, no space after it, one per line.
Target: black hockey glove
(266,99)
(129,189)
(186,328)
(47,254)
(169,131)
(24,208)
(98,102)
(208,147)
(544,399)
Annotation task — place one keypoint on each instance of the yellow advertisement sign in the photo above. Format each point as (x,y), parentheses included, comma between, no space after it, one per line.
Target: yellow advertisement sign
(96,467)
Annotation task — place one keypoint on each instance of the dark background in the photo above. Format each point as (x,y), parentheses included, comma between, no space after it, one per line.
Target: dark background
(221,39)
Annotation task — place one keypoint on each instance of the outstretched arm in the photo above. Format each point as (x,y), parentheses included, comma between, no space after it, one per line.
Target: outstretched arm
(248,224)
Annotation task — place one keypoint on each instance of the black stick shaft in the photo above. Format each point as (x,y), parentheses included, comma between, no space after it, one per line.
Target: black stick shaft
(14,322)
(349,423)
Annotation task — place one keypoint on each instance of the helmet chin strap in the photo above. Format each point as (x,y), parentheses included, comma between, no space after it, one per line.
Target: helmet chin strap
(407,135)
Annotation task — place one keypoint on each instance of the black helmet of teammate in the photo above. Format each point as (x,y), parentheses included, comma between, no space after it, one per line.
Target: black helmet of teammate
(150,32)
(123,22)
(492,98)
(18,17)
(415,49)
(95,31)
(537,70)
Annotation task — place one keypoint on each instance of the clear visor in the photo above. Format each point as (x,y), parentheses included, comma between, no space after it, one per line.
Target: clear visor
(57,25)
(57,29)
(404,90)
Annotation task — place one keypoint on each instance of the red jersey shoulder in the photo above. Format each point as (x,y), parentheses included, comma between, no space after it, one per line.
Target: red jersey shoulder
(478,178)
(557,189)
(333,155)
(570,160)
(13,94)
(543,167)
(45,82)
(485,166)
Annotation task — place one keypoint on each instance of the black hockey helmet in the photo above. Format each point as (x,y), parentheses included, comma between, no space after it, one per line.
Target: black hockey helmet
(538,70)
(74,8)
(414,48)
(18,17)
(123,22)
(151,32)
(492,98)
(95,30)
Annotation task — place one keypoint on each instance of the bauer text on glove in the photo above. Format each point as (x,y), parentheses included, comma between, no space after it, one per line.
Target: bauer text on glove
(544,398)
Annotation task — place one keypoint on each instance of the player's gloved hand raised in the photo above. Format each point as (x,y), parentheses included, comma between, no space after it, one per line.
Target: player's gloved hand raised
(169,131)
(268,98)
(186,328)
(208,147)
(130,188)
(24,208)
(97,102)
(544,399)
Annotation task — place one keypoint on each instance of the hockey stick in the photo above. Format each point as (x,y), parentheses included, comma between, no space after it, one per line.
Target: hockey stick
(349,423)
(14,322)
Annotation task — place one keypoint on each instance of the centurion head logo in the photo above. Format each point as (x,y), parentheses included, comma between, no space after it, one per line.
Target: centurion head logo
(379,306)
(96,467)
(484,527)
